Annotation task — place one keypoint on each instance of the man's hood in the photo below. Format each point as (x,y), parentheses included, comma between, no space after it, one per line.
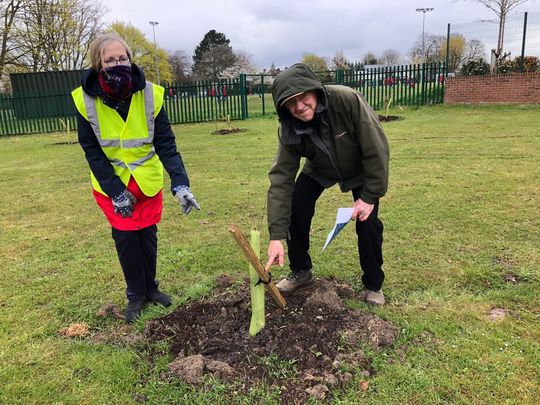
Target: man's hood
(296,79)
(90,81)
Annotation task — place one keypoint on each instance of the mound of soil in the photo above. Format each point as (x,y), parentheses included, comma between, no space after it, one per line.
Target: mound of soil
(384,118)
(229,131)
(304,351)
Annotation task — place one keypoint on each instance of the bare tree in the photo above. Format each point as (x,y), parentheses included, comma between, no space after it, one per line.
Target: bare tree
(242,64)
(475,50)
(501,8)
(9,13)
(56,34)
(390,57)
(180,66)
(431,49)
(456,51)
(460,50)
(88,24)
(339,61)
(370,59)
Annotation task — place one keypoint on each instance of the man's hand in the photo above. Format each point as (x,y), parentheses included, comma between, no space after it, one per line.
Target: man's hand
(186,198)
(124,203)
(361,210)
(276,254)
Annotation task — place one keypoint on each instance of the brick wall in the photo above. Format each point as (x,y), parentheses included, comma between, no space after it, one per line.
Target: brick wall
(519,88)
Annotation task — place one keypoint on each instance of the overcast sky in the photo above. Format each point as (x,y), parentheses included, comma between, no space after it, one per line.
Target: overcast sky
(280,31)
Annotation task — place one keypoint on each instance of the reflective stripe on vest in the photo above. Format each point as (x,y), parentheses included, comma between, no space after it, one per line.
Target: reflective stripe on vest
(91,113)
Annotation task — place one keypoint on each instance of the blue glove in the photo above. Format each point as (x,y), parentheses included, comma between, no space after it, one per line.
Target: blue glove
(124,204)
(186,199)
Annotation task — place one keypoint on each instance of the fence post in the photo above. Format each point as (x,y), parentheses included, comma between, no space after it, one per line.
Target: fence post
(447,48)
(243,96)
(263,91)
(443,86)
(523,43)
(339,76)
(424,85)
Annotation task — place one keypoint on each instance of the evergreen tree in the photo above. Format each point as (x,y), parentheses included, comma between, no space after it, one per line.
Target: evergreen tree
(212,40)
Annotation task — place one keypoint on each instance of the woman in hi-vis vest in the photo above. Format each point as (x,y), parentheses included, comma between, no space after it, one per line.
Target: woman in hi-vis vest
(127,139)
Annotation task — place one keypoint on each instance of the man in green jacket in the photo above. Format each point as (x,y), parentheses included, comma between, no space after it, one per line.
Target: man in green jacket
(343,142)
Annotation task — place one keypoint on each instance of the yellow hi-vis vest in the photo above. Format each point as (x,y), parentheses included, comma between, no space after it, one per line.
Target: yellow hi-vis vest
(127,144)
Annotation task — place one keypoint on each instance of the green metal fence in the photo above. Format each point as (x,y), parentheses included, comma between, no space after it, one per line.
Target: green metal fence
(196,101)
(44,94)
(418,84)
(230,99)
(47,114)
(206,100)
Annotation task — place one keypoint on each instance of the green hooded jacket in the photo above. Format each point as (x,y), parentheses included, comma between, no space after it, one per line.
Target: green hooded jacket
(344,144)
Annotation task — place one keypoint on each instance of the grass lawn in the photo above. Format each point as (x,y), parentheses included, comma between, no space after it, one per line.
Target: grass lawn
(462,236)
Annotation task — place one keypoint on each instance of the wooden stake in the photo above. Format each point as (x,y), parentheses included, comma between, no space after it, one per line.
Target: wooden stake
(254,261)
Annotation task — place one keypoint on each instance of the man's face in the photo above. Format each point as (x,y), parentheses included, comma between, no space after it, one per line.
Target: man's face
(303,106)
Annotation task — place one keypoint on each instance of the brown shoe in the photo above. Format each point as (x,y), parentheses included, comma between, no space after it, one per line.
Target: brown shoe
(295,280)
(374,297)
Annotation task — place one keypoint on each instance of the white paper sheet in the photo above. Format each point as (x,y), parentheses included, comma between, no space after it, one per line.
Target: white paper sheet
(342,219)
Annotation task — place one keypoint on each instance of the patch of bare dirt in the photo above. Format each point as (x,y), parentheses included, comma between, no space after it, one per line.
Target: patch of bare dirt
(504,261)
(229,131)
(387,118)
(122,335)
(512,278)
(496,314)
(224,281)
(306,350)
(75,330)
(110,309)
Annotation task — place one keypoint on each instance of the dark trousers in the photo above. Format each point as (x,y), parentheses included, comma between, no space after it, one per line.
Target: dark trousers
(137,252)
(370,233)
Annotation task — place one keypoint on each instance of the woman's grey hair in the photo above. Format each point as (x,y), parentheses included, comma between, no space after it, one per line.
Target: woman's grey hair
(100,42)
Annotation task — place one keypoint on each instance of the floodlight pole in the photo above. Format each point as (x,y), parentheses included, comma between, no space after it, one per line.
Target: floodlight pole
(424,10)
(153,24)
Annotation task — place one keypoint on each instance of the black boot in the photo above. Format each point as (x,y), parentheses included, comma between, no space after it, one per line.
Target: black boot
(157,297)
(134,309)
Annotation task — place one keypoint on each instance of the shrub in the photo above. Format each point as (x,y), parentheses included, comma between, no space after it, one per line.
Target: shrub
(481,67)
(505,66)
(475,68)
(530,64)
